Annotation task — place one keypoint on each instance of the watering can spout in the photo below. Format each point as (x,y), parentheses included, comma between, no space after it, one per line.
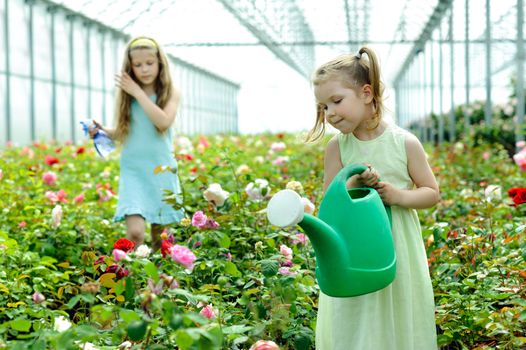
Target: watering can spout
(327,243)
(286,209)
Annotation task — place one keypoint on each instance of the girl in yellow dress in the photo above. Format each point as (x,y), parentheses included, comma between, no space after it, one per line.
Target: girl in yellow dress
(348,91)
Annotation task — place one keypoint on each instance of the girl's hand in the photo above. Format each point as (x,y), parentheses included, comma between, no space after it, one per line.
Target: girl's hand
(126,83)
(369,178)
(388,193)
(92,130)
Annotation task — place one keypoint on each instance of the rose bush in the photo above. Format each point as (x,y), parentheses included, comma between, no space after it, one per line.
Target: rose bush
(224,277)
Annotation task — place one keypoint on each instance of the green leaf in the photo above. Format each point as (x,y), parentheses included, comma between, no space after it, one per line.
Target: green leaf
(130,290)
(224,240)
(240,340)
(21,325)
(129,315)
(73,301)
(237,329)
(151,271)
(137,330)
(231,269)
(269,268)
(183,339)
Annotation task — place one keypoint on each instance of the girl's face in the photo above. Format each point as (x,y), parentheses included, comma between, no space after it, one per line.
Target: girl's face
(344,109)
(145,66)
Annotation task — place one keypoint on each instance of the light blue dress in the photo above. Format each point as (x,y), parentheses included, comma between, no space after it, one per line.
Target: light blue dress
(141,191)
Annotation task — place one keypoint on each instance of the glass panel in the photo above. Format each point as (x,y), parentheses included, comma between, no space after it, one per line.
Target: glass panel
(63,113)
(18,38)
(3,120)
(20,126)
(95,45)
(2,36)
(42,42)
(81,111)
(63,62)
(80,53)
(43,123)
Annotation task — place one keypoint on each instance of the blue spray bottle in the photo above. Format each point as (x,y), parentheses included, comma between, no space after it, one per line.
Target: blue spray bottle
(102,141)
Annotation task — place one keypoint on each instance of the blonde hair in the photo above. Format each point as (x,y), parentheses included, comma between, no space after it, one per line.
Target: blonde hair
(354,71)
(163,85)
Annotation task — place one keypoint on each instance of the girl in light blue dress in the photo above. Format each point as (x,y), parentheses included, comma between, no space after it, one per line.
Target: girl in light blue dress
(146,108)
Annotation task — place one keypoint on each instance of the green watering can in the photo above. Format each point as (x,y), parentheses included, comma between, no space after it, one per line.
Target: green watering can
(351,236)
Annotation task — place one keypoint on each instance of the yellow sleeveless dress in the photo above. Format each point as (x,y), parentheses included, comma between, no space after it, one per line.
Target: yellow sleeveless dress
(400,316)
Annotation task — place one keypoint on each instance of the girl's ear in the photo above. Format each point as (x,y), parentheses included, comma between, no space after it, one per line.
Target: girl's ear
(367,93)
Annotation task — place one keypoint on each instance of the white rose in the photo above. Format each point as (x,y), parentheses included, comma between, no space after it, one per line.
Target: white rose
(216,195)
(61,324)
(493,192)
(258,189)
(143,251)
(308,207)
(184,144)
(56,215)
(295,186)
(278,146)
(243,169)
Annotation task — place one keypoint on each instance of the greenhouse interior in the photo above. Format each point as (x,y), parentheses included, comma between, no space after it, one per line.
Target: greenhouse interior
(174,174)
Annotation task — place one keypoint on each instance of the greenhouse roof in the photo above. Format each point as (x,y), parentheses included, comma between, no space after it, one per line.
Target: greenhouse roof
(230,37)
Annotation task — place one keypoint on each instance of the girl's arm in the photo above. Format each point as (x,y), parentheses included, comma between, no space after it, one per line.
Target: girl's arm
(426,194)
(93,131)
(161,118)
(332,162)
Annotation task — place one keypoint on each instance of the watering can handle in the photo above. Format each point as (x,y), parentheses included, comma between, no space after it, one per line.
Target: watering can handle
(348,171)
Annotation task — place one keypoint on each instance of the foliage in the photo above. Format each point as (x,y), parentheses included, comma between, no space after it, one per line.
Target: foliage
(476,248)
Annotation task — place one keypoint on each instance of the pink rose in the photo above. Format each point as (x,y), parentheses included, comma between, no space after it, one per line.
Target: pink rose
(486,155)
(299,239)
(208,312)
(38,297)
(286,271)
(277,146)
(210,224)
(119,254)
(264,345)
(199,219)
(183,256)
(79,199)
(281,160)
(285,251)
(55,197)
(520,160)
(49,178)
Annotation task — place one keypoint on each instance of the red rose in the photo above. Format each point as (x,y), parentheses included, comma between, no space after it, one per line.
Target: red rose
(80,150)
(520,197)
(165,247)
(124,244)
(513,191)
(100,260)
(518,194)
(50,160)
(118,270)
